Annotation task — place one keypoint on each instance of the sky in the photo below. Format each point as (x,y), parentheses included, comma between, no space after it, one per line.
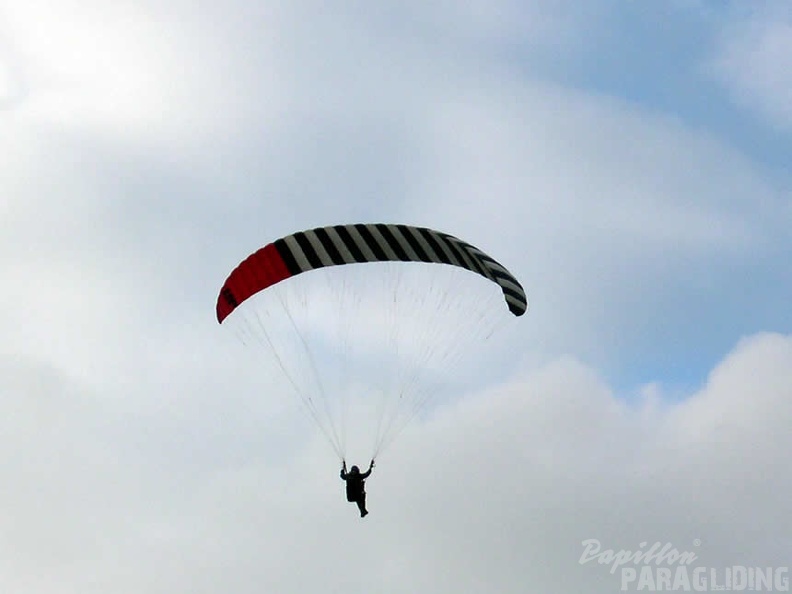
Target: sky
(627,161)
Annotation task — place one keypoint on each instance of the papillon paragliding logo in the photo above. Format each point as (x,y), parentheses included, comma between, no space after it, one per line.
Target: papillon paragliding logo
(664,568)
(361,316)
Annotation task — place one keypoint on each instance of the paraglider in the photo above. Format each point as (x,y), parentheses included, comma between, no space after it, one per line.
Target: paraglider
(376,327)
(356,486)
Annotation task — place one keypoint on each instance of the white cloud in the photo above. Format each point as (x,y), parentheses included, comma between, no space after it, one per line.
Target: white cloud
(497,24)
(600,208)
(140,73)
(578,195)
(500,489)
(754,59)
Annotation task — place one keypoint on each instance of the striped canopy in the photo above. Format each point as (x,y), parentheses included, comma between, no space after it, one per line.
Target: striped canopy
(359,243)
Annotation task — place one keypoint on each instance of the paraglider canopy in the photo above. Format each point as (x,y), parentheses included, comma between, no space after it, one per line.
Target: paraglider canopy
(378,334)
(349,244)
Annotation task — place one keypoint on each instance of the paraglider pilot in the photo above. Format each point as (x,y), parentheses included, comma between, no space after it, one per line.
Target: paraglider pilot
(355,486)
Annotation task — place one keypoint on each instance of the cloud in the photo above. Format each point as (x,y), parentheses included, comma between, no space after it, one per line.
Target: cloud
(506,483)
(754,60)
(141,75)
(605,211)
(151,149)
(223,148)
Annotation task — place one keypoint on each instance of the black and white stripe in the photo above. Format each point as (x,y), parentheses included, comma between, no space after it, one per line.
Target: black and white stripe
(349,244)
